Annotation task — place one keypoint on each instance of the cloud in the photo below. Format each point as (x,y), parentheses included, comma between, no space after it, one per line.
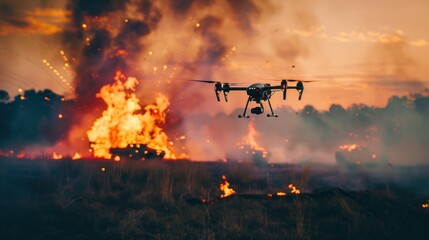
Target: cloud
(18,21)
(399,85)
(419,43)
(392,37)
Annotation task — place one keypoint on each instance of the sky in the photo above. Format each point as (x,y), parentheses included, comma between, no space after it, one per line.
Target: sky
(358,51)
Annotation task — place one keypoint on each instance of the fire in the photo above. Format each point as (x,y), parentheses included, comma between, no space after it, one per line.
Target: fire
(348,147)
(294,189)
(250,146)
(121,124)
(425,204)
(251,136)
(76,156)
(56,156)
(224,187)
(281,194)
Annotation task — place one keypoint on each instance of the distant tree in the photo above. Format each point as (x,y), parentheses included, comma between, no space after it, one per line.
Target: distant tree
(421,103)
(396,103)
(309,110)
(337,110)
(4,96)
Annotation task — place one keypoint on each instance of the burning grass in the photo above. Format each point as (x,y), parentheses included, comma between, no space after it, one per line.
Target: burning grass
(67,199)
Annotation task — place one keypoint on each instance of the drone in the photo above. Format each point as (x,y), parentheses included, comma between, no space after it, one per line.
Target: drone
(257,92)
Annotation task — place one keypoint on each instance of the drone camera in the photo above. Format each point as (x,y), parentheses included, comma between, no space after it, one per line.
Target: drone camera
(257,110)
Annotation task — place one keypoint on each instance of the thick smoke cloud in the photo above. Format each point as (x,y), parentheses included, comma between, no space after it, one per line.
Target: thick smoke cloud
(113,41)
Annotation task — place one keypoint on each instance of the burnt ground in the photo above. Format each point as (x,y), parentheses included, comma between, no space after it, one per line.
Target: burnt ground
(89,199)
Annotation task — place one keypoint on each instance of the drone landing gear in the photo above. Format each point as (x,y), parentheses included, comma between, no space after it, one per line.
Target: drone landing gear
(245,109)
(271,108)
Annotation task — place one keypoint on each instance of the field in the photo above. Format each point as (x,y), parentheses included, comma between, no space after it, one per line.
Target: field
(90,199)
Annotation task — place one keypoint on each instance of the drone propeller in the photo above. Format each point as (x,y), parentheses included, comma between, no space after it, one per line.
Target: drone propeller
(211,82)
(203,81)
(296,80)
(219,87)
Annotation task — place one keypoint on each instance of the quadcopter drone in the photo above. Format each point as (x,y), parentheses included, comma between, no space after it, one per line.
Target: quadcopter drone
(257,92)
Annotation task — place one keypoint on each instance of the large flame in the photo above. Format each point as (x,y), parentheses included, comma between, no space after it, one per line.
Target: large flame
(121,124)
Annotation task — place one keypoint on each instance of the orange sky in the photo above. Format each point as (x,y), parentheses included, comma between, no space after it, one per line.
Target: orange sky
(361,51)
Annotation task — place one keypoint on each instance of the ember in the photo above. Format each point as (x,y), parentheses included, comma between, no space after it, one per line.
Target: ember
(351,155)
(348,147)
(293,189)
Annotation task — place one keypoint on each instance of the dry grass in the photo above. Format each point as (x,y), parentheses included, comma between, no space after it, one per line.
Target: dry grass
(134,200)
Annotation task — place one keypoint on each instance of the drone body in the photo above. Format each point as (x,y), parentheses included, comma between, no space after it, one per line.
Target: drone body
(257,92)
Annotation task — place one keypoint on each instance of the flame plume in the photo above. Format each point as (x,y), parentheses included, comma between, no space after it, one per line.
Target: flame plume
(250,138)
(121,125)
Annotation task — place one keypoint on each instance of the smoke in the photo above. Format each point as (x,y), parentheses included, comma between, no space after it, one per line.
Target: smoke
(163,43)
(107,37)
(391,58)
(160,43)
(393,135)
(10,15)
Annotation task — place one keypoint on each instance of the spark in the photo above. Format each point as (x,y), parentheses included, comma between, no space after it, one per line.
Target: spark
(57,73)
